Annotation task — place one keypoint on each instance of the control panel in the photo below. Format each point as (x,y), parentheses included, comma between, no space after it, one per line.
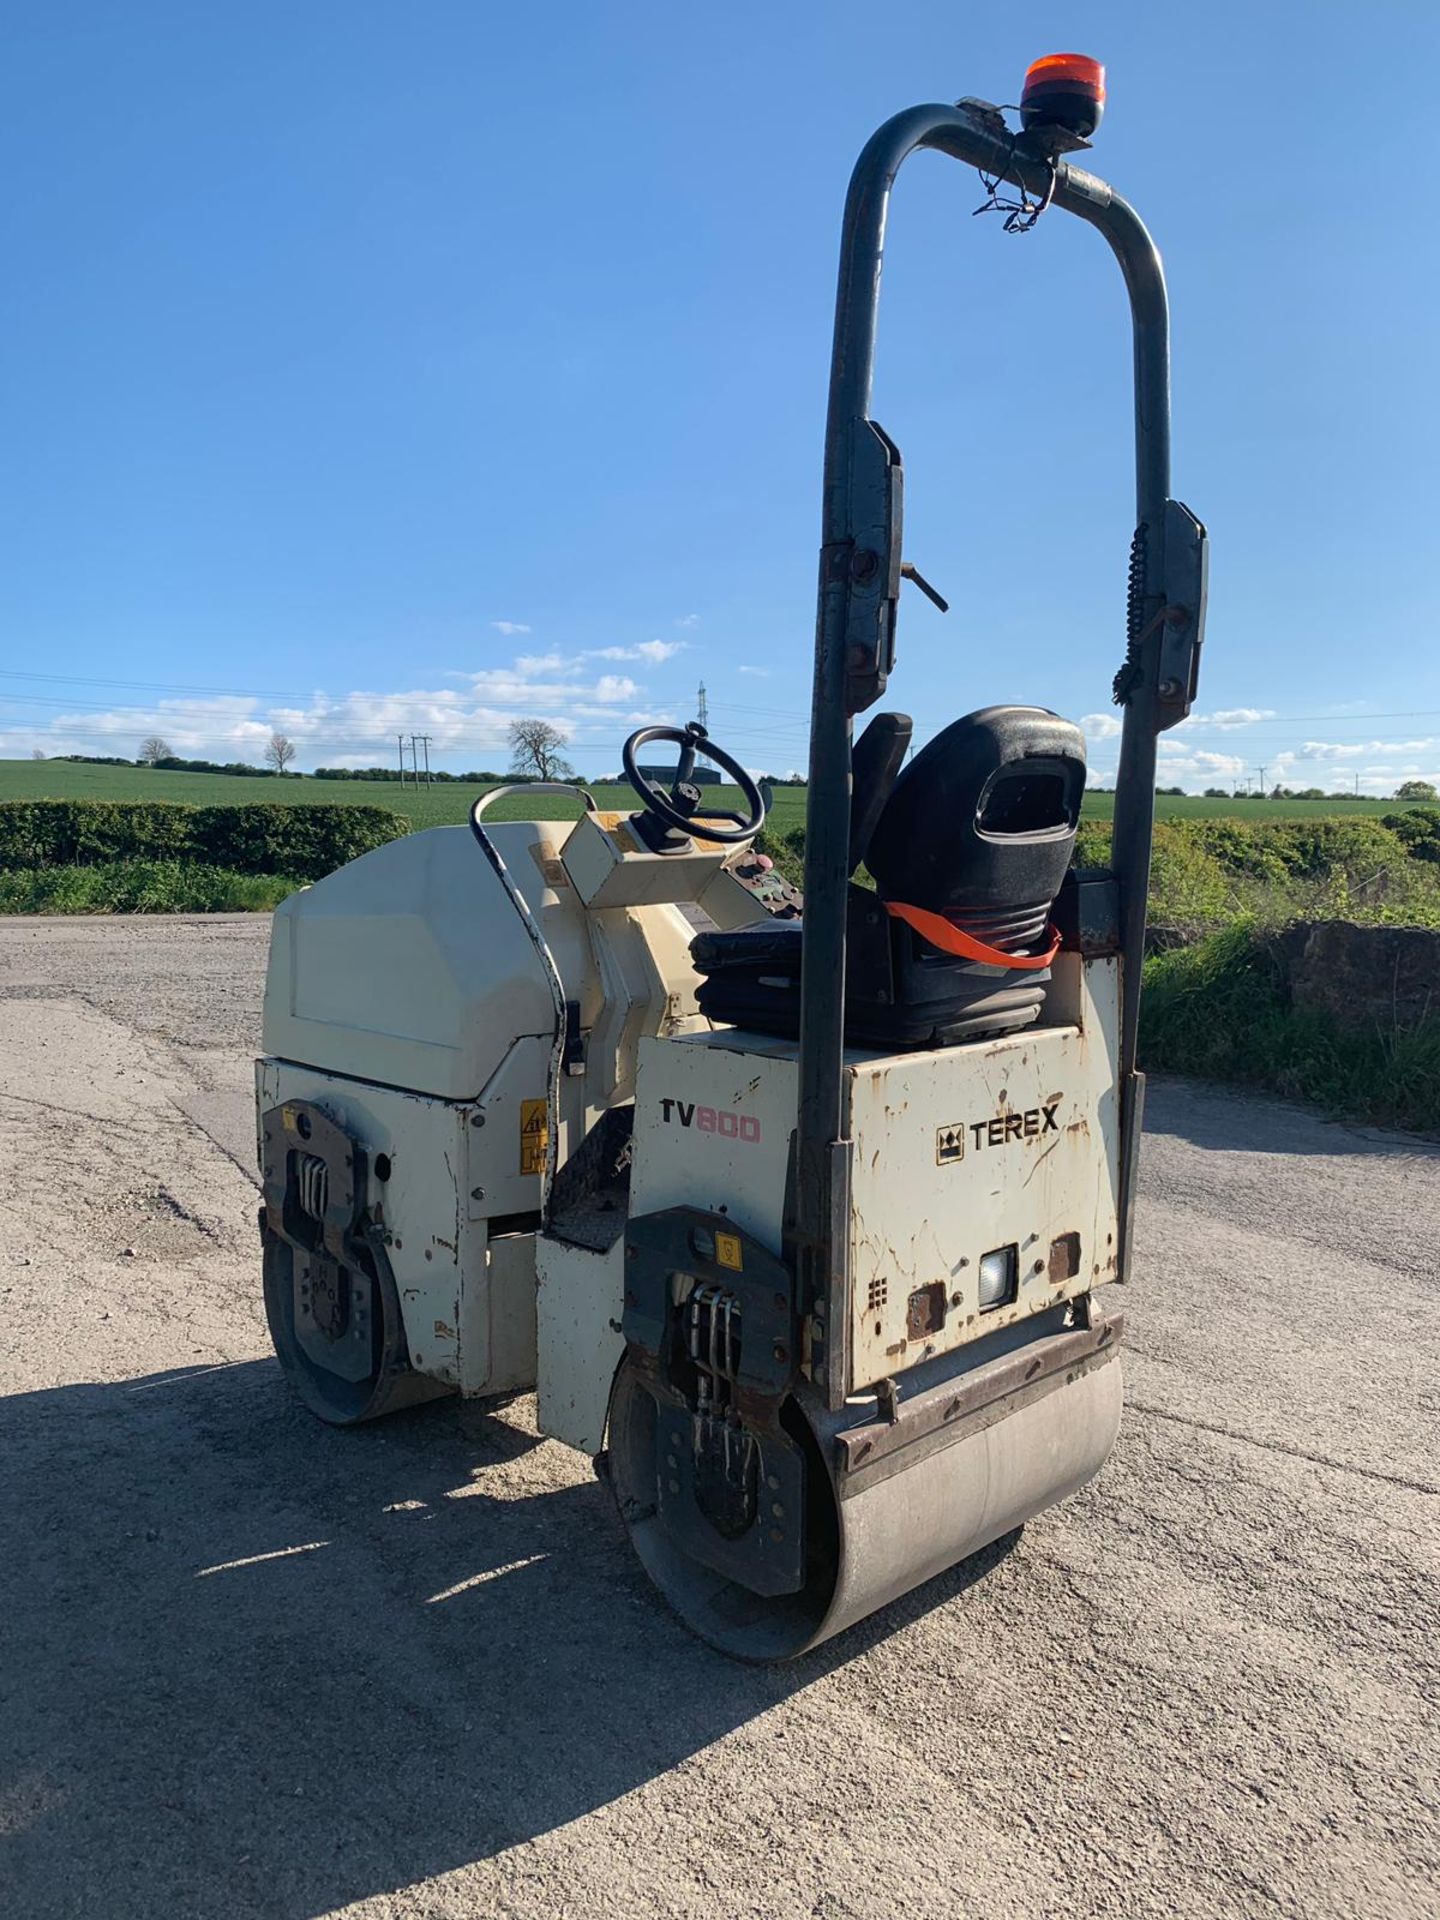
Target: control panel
(763,880)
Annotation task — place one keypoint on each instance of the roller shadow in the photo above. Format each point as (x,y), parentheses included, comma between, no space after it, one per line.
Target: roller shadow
(253,1666)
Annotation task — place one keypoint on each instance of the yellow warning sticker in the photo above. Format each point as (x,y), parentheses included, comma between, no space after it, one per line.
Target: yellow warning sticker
(727,1251)
(534,1135)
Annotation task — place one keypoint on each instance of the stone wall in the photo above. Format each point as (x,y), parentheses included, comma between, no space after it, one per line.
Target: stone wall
(1386,977)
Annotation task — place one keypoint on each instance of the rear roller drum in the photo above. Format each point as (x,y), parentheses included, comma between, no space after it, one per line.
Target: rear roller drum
(339,1336)
(869,1537)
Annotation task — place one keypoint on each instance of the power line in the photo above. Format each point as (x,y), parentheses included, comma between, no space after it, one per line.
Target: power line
(545,689)
(728,706)
(154,686)
(177,709)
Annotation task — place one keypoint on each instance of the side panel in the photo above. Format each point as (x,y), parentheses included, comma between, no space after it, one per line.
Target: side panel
(506,1142)
(579,1299)
(1005,1144)
(713,1119)
(439,1253)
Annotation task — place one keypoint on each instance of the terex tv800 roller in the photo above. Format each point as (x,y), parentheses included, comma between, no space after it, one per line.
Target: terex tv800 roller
(801,1212)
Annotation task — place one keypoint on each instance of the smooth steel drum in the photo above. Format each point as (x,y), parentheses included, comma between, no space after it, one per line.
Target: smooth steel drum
(870,1539)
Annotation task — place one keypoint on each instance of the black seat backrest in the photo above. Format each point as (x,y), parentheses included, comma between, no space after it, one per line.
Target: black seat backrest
(875,760)
(983,819)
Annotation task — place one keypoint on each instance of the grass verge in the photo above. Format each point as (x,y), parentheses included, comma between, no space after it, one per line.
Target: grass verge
(1220,1009)
(142,886)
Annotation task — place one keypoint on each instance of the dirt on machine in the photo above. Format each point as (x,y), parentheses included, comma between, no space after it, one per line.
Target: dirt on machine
(801,1211)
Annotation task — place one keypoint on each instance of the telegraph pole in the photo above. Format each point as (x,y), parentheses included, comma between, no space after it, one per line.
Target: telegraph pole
(702,710)
(1262,783)
(417,741)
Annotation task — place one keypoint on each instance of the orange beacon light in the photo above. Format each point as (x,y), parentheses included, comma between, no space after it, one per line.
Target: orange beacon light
(1064,90)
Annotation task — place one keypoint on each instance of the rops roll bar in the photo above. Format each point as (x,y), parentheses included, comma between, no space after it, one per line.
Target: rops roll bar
(860,578)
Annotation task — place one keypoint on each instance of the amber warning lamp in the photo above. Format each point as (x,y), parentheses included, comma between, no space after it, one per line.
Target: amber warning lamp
(1063,92)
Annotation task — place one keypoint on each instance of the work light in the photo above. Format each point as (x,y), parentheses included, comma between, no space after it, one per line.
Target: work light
(999,1274)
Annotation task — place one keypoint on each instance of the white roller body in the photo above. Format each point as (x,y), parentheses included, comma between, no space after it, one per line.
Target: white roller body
(407,1002)
(411,967)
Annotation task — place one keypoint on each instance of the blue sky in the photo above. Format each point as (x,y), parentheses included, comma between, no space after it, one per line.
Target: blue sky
(370,367)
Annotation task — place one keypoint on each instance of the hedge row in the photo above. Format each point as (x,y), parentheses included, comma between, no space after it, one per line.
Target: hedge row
(141,886)
(306,842)
(1208,873)
(1281,850)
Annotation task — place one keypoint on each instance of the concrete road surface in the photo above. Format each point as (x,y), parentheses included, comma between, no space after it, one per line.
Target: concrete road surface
(252,1667)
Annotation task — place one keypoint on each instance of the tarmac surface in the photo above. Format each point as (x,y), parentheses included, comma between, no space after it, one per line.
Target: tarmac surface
(249,1666)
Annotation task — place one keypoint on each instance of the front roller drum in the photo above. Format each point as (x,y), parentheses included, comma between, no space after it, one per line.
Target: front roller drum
(876,1523)
(339,1335)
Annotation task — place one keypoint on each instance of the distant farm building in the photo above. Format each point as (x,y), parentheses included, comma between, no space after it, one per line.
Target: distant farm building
(701,777)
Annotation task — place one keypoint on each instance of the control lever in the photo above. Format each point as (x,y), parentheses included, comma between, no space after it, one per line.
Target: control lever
(908,571)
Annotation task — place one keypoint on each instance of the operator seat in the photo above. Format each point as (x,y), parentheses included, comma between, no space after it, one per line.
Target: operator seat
(968,847)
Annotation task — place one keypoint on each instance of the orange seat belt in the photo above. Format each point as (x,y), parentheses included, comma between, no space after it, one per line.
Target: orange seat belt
(944,934)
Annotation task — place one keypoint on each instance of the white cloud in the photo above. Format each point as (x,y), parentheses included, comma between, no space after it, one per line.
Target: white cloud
(1225,719)
(471,718)
(192,728)
(1176,763)
(1097,726)
(655,651)
(615,686)
(1336,750)
(1378,766)
(1356,749)
(509,627)
(760,673)
(529,666)
(688,620)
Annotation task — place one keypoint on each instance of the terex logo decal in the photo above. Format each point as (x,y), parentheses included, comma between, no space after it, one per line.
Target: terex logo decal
(1006,1127)
(999,1132)
(730,1126)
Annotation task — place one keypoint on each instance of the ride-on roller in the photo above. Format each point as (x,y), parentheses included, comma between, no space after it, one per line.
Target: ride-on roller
(800,1215)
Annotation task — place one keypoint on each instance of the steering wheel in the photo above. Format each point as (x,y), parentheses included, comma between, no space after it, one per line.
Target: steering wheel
(678,808)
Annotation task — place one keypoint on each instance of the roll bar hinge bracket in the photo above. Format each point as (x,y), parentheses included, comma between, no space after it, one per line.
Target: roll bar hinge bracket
(1187,572)
(870,562)
(1165,649)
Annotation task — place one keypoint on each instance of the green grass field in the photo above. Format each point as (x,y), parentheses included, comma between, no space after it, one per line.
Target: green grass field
(449,803)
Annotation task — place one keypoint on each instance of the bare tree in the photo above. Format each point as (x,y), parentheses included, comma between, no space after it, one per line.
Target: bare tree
(37,753)
(280,752)
(535,749)
(154,749)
